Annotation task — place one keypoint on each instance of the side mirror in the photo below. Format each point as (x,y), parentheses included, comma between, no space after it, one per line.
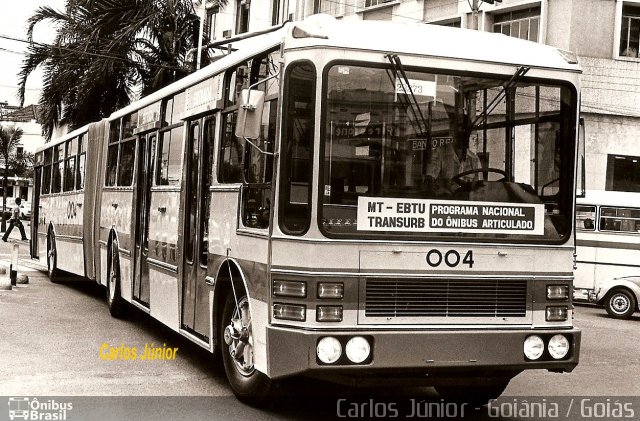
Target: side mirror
(249,119)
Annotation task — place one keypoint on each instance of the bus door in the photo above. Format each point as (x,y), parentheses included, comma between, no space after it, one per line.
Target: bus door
(35,211)
(146,161)
(195,293)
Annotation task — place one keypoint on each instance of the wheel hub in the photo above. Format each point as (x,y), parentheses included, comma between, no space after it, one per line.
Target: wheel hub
(237,335)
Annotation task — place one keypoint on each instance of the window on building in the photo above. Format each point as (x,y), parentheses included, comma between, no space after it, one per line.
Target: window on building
(623,173)
(330,7)
(455,23)
(210,22)
(275,12)
(523,24)
(630,30)
(372,3)
(242,16)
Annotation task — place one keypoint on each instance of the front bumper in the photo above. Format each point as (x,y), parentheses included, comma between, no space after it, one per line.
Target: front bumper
(417,352)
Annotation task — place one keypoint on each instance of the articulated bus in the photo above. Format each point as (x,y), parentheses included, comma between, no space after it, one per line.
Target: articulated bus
(608,251)
(350,201)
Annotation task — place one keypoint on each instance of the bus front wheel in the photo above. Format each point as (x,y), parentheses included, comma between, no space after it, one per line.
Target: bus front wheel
(248,384)
(620,304)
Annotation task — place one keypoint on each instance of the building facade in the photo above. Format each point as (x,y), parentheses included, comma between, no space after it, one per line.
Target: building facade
(604,34)
(25,118)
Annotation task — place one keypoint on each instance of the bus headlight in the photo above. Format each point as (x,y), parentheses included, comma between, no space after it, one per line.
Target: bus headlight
(330,290)
(290,312)
(329,350)
(289,288)
(557,314)
(533,347)
(329,313)
(357,349)
(558,346)
(557,292)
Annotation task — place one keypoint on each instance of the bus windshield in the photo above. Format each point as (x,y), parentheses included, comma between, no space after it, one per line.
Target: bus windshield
(415,154)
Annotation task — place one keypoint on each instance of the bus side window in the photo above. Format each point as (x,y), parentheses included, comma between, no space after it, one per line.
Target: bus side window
(585,217)
(297,149)
(46,171)
(170,142)
(258,166)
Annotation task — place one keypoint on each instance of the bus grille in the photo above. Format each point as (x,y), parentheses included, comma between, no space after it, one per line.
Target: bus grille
(446,298)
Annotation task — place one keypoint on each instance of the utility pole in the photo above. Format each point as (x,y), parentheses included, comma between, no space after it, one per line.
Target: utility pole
(474,14)
(475,8)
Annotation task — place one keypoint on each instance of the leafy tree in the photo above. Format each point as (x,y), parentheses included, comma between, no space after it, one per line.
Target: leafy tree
(106,52)
(17,163)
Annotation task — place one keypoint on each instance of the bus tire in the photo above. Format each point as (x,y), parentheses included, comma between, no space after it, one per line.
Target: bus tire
(248,384)
(115,302)
(52,259)
(473,395)
(620,303)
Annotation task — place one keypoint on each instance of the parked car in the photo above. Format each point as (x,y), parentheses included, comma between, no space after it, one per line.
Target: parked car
(619,296)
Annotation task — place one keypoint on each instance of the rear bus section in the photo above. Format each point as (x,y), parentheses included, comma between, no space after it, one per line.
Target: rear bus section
(64,205)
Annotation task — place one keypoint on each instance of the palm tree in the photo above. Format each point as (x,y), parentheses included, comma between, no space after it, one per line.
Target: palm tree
(9,140)
(106,52)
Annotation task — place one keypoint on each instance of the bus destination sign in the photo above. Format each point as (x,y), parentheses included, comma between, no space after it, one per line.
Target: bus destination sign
(418,215)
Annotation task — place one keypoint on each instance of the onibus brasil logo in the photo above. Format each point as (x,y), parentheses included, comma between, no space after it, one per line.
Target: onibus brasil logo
(33,409)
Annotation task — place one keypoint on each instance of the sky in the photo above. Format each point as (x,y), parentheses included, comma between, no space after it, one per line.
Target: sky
(13,23)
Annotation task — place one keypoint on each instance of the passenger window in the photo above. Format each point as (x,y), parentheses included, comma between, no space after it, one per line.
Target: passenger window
(58,168)
(620,219)
(46,171)
(82,153)
(585,218)
(170,157)
(70,164)
(125,166)
(112,154)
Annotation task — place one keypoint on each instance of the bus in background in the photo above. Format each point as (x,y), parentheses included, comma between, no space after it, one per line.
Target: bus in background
(340,200)
(608,251)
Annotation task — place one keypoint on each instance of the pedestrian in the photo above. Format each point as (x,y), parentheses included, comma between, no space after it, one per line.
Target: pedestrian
(15,221)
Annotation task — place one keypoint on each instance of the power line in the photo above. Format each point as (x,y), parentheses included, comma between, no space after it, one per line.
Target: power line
(53,47)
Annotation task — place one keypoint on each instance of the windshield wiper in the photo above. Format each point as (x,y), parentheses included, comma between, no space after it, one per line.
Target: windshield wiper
(521,71)
(414,106)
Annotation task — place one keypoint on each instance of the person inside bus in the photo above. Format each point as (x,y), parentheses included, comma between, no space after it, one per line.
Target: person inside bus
(452,158)
(15,221)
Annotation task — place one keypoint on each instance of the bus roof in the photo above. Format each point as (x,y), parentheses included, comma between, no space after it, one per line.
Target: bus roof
(326,31)
(610,198)
(64,138)
(430,40)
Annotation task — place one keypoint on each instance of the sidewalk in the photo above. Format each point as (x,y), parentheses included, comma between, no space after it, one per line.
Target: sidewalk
(25,263)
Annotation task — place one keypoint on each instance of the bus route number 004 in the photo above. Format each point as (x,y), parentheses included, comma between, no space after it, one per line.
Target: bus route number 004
(450,258)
